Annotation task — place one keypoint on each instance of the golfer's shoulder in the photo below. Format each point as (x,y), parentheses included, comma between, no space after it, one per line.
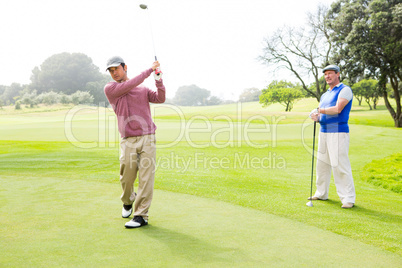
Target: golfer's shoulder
(346,92)
(108,87)
(344,87)
(112,85)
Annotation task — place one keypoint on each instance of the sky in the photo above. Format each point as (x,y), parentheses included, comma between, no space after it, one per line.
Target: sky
(211,44)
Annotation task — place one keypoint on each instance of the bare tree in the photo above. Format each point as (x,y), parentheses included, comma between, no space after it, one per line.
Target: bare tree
(302,51)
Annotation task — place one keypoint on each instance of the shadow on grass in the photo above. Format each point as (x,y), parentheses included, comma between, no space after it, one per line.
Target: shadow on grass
(378,215)
(375,214)
(193,249)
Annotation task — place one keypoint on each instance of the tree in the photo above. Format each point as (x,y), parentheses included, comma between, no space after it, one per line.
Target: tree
(358,93)
(29,98)
(191,96)
(250,94)
(12,93)
(301,51)
(367,34)
(65,73)
(367,89)
(281,92)
(214,100)
(2,89)
(96,89)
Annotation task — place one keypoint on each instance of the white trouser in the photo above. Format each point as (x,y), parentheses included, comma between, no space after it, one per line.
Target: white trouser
(332,155)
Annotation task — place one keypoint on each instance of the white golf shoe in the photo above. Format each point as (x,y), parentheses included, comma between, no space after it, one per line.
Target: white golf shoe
(136,222)
(348,205)
(126,211)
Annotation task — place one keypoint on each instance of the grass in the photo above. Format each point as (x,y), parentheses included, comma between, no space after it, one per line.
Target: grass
(241,112)
(220,201)
(386,172)
(72,223)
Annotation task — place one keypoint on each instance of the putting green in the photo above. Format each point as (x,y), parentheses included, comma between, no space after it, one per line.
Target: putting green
(49,221)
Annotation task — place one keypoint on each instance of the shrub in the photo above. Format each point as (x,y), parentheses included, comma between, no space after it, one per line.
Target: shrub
(81,97)
(48,98)
(18,105)
(29,99)
(65,99)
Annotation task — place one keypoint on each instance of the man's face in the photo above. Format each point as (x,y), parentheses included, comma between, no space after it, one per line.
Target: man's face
(332,78)
(118,73)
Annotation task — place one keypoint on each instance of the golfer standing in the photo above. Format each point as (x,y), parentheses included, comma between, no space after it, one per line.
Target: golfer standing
(333,141)
(130,102)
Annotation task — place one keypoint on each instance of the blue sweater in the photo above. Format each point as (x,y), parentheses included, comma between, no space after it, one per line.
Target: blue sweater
(337,122)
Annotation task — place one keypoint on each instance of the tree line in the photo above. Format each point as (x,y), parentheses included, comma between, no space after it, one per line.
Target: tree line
(73,78)
(192,95)
(61,78)
(362,37)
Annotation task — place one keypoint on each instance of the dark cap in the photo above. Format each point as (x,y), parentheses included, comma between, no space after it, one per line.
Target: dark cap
(114,62)
(332,68)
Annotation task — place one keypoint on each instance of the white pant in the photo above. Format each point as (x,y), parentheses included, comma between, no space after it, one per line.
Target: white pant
(332,155)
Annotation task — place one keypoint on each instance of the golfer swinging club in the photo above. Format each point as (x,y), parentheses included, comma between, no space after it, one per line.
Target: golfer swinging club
(130,102)
(333,141)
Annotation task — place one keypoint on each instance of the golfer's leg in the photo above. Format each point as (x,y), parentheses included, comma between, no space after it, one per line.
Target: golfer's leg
(128,169)
(323,168)
(342,171)
(146,176)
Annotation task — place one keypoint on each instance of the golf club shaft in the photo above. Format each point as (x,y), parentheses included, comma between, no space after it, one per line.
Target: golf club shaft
(312,162)
(152,34)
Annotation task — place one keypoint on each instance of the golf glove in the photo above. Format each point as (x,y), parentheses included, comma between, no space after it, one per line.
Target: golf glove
(158,74)
(315,111)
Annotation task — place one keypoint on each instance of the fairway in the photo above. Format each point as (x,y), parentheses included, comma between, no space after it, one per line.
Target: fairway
(76,223)
(231,185)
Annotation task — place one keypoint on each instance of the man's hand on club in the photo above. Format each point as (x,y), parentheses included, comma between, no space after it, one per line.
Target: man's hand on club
(158,74)
(157,70)
(314,115)
(155,65)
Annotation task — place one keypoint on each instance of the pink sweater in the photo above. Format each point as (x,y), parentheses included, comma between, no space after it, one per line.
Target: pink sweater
(130,102)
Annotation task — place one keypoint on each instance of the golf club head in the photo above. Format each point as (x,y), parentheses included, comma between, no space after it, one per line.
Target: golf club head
(143,6)
(309,204)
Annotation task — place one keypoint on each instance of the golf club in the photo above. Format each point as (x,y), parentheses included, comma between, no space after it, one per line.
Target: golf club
(142,6)
(310,203)
(150,26)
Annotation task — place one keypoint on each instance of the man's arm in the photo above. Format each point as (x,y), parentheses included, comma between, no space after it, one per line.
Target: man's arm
(337,109)
(114,90)
(160,95)
(344,97)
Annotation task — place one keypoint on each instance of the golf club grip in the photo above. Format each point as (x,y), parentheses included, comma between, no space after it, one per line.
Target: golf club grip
(315,124)
(157,71)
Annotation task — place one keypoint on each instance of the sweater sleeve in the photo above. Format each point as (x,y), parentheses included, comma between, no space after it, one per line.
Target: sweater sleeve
(114,90)
(160,95)
(346,93)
